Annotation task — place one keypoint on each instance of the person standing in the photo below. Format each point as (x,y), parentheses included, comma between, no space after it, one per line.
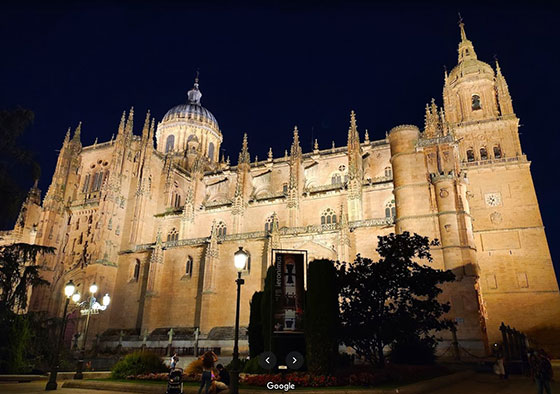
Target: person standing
(541,370)
(208,360)
(174,360)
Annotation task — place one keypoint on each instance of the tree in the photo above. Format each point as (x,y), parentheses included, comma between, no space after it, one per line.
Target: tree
(266,308)
(14,160)
(18,271)
(321,317)
(394,299)
(254,331)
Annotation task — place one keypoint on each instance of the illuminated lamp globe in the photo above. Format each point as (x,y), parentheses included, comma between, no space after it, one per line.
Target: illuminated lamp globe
(240,259)
(106,300)
(69,289)
(76,297)
(93,288)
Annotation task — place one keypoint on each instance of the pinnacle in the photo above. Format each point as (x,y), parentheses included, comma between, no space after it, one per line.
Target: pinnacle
(77,132)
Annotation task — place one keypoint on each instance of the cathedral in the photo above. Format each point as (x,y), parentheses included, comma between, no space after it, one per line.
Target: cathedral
(157,227)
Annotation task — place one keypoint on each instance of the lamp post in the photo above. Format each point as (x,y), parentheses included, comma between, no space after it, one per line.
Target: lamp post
(240,261)
(69,292)
(91,307)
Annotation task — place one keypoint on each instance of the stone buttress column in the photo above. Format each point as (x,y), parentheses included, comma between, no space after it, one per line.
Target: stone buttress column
(413,198)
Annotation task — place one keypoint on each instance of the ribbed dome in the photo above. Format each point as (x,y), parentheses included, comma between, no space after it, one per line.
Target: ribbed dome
(190,111)
(471,66)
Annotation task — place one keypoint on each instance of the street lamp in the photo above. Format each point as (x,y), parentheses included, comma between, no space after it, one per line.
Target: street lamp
(69,292)
(240,261)
(89,307)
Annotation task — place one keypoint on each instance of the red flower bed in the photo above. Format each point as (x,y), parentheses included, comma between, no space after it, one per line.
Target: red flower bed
(163,376)
(300,379)
(359,375)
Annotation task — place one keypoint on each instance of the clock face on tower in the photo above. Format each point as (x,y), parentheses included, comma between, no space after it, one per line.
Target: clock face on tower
(493,199)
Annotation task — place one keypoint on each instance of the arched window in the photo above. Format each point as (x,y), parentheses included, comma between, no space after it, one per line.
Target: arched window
(97,181)
(475,101)
(169,143)
(136,273)
(189,266)
(497,152)
(268,224)
(336,179)
(211,151)
(221,229)
(285,188)
(177,200)
(105,177)
(388,172)
(483,154)
(94,182)
(328,217)
(173,235)
(86,184)
(390,210)
(470,154)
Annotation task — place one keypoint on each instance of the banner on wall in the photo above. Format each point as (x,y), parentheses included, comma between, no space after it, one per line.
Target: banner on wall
(288,291)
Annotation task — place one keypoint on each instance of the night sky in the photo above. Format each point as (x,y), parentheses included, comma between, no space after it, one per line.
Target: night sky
(265,69)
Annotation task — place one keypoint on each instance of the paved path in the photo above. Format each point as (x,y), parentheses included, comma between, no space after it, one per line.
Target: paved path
(39,387)
(477,384)
(491,384)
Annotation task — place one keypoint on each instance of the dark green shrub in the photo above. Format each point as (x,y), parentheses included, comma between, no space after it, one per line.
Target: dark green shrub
(139,362)
(321,317)
(252,366)
(413,351)
(266,308)
(14,344)
(255,330)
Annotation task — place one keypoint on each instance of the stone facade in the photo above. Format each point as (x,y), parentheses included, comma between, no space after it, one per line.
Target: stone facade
(157,227)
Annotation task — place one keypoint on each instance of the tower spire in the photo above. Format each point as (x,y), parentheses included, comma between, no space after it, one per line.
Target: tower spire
(466,48)
(462,27)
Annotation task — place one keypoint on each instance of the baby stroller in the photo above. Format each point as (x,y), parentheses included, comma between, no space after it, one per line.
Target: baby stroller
(175,382)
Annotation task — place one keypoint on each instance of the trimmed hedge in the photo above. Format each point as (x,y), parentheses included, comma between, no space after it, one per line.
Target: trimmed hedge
(321,317)
(137,363)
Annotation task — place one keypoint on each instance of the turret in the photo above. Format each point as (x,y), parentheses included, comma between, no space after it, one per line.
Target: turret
(410,176)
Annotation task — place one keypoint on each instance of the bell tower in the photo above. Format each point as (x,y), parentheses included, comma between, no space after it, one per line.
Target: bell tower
(516,277)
